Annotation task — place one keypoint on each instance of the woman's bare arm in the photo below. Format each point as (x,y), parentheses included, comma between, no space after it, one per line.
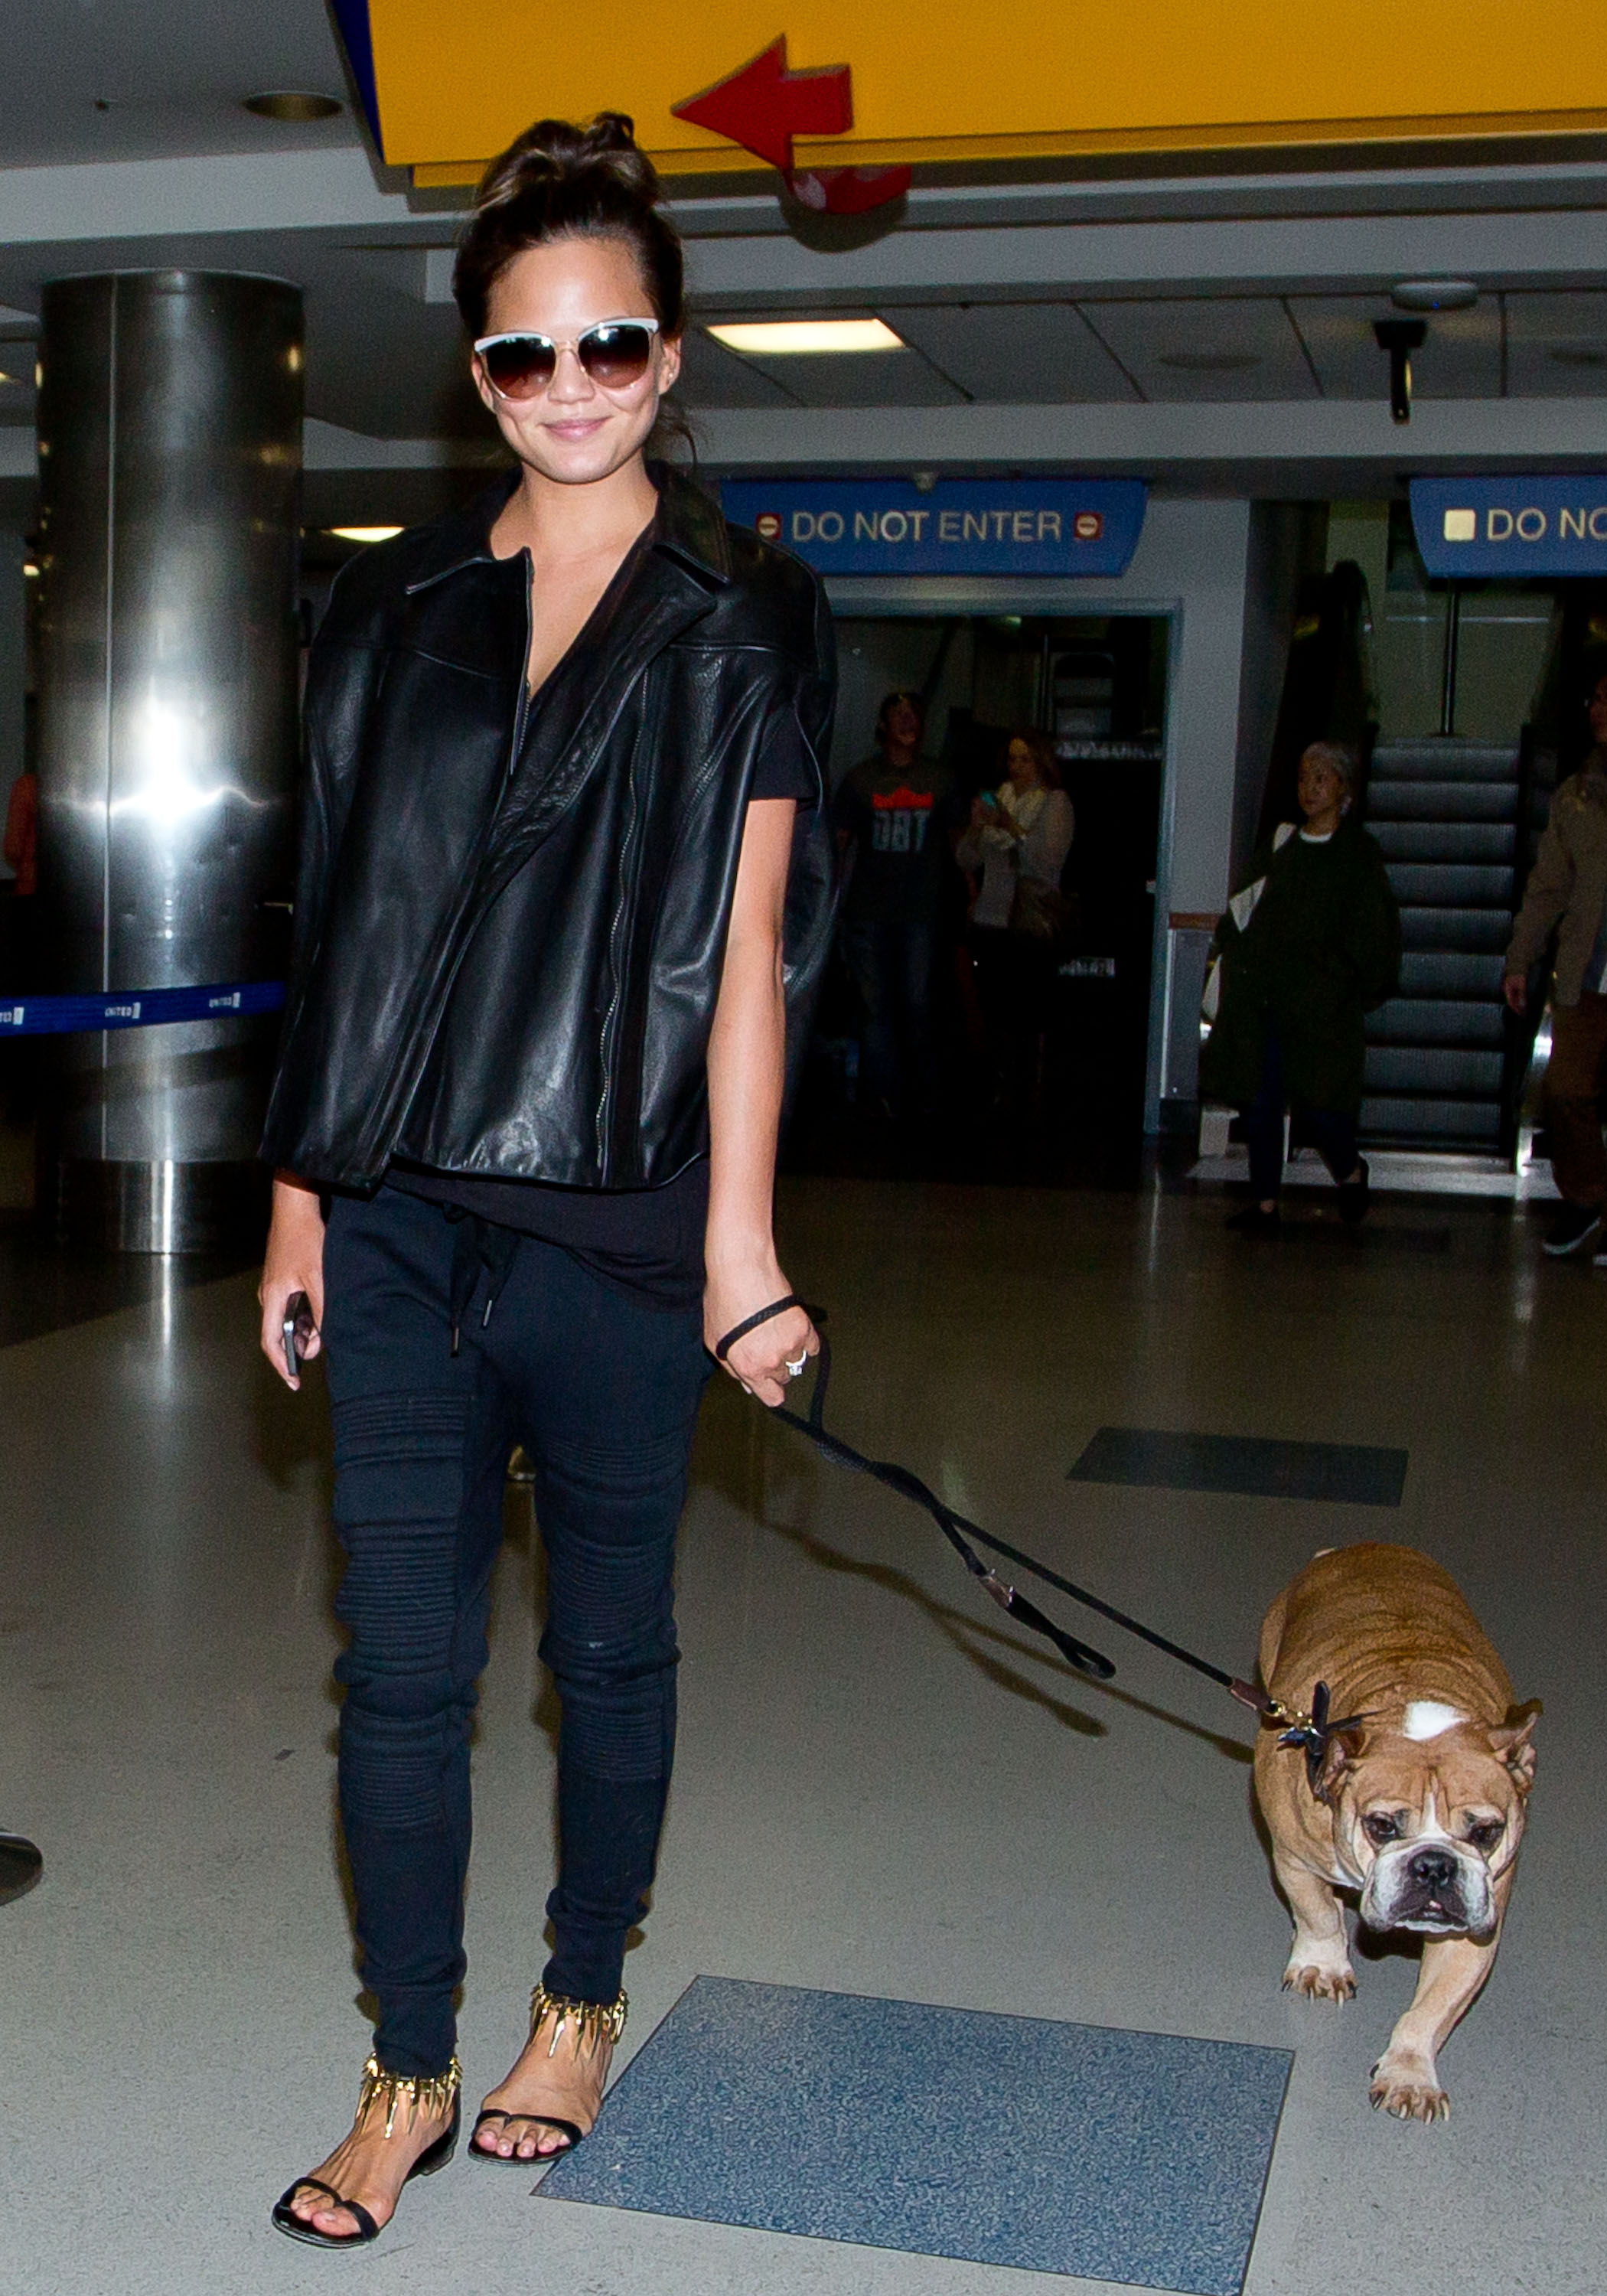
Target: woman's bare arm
(747,1060)
(293,1262)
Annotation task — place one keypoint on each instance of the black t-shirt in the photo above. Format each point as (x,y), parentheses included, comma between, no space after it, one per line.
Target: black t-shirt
(647,1241)
(899,820)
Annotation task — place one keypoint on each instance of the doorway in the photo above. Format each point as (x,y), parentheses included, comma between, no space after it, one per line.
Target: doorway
(1096,684)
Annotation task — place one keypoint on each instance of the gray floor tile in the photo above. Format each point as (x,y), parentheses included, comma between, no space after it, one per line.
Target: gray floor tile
(1131,2157)
(1252,1466)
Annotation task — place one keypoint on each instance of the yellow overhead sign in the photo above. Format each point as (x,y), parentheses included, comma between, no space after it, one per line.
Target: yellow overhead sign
(454,81)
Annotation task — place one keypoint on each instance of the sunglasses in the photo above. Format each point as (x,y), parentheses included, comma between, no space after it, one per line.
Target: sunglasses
(614,353)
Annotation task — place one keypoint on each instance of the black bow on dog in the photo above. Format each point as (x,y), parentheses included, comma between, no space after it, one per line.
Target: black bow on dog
(1313,1734)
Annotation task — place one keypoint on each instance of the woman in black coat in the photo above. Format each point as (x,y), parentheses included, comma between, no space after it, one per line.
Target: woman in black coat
(566,889)
(1307,949)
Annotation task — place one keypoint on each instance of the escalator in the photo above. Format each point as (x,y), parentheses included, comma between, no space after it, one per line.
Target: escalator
(1447,812)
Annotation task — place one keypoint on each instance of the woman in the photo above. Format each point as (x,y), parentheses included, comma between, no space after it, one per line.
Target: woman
(1017,840)
(1310,946)
(566,889)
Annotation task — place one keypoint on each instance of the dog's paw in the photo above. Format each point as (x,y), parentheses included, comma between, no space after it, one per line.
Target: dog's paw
(1321,1980)
(1408,2088)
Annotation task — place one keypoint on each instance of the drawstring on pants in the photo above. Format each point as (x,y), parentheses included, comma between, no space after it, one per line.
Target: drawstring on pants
(478,1244)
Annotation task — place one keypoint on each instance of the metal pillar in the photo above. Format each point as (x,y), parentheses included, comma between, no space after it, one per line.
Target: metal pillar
(170,458)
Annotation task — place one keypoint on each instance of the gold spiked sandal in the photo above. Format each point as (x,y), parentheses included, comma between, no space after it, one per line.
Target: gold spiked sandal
(400,2097)
(590,2030)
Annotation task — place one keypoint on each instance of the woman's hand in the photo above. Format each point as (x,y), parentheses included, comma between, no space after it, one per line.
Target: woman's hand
(758,1362)
(293,1262)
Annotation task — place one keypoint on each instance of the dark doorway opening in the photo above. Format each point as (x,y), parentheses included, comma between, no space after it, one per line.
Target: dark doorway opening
(1096,685)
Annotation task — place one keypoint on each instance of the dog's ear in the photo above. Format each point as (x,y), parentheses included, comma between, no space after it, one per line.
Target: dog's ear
(1338,1754)
(1511,1744)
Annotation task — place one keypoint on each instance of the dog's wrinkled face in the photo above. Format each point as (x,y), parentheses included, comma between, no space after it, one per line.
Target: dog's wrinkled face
(1426,1818)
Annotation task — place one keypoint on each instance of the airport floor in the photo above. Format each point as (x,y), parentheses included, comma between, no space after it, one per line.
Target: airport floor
(885,1789)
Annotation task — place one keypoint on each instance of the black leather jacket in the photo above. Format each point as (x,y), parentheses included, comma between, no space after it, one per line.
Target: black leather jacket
(508,940)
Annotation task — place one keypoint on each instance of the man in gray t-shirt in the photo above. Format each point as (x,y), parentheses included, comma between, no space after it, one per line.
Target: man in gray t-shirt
(895,814)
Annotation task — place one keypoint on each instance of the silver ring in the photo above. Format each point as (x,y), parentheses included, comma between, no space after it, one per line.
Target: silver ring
(797,1370)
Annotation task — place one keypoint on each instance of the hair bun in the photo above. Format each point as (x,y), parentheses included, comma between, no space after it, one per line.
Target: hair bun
(557,153)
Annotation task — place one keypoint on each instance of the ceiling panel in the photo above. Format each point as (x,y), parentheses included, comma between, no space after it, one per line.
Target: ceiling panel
(860,379)
(1460,359)
(713,376)
(1556,346)
(170,74)
(1014,354)
(1208,347)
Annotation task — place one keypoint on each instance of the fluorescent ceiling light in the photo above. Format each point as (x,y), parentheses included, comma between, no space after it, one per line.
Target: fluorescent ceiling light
(364,533)
(788,337)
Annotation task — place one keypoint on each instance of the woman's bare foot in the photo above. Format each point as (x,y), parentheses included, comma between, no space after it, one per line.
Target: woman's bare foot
(556,2086)
(370,2167)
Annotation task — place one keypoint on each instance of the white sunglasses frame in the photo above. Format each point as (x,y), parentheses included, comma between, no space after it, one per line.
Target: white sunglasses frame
(573,343)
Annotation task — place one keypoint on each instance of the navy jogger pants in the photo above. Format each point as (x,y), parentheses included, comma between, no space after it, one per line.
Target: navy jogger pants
(602,1390)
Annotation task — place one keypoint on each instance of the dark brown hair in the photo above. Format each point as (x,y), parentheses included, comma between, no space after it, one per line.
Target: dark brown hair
(1041,748)
(889,703)
(559,181)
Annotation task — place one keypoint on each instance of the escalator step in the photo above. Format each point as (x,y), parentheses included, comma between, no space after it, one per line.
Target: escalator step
(1389,799)
(1437,1020)
(1406,1119)
(1429,1069)
(1445,758)
(1444,972)
(1456,931)
(1451,884)
(1485,842)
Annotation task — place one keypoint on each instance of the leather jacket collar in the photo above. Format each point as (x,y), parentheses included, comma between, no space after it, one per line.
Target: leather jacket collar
(687,527)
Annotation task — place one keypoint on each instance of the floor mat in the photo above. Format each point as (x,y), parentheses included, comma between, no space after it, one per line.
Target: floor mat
(1254,1466)
(1139,2158)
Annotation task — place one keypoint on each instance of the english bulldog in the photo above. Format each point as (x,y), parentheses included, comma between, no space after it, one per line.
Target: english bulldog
(1415,1799)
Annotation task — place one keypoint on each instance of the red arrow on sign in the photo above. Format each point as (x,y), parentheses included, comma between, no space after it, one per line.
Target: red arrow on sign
(763,106)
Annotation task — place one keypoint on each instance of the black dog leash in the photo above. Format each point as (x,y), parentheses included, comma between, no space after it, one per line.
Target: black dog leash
(1310,1732)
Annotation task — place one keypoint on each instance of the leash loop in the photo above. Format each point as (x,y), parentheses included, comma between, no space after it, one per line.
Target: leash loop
(751,1323)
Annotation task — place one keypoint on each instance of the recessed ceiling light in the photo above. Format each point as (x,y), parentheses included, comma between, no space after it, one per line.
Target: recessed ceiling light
(795,338)
(363,533)
(29,569)
(1434,295)
(1209,362)
(293,105)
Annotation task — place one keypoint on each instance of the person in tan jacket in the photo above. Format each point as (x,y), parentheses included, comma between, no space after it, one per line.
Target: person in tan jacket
(1567,889)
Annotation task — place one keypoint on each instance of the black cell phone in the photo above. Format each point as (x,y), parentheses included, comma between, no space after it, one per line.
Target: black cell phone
(298,1328)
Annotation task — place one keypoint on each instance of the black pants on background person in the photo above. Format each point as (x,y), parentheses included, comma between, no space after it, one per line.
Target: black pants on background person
(1333,1137)
(603,1391)
(890,961)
